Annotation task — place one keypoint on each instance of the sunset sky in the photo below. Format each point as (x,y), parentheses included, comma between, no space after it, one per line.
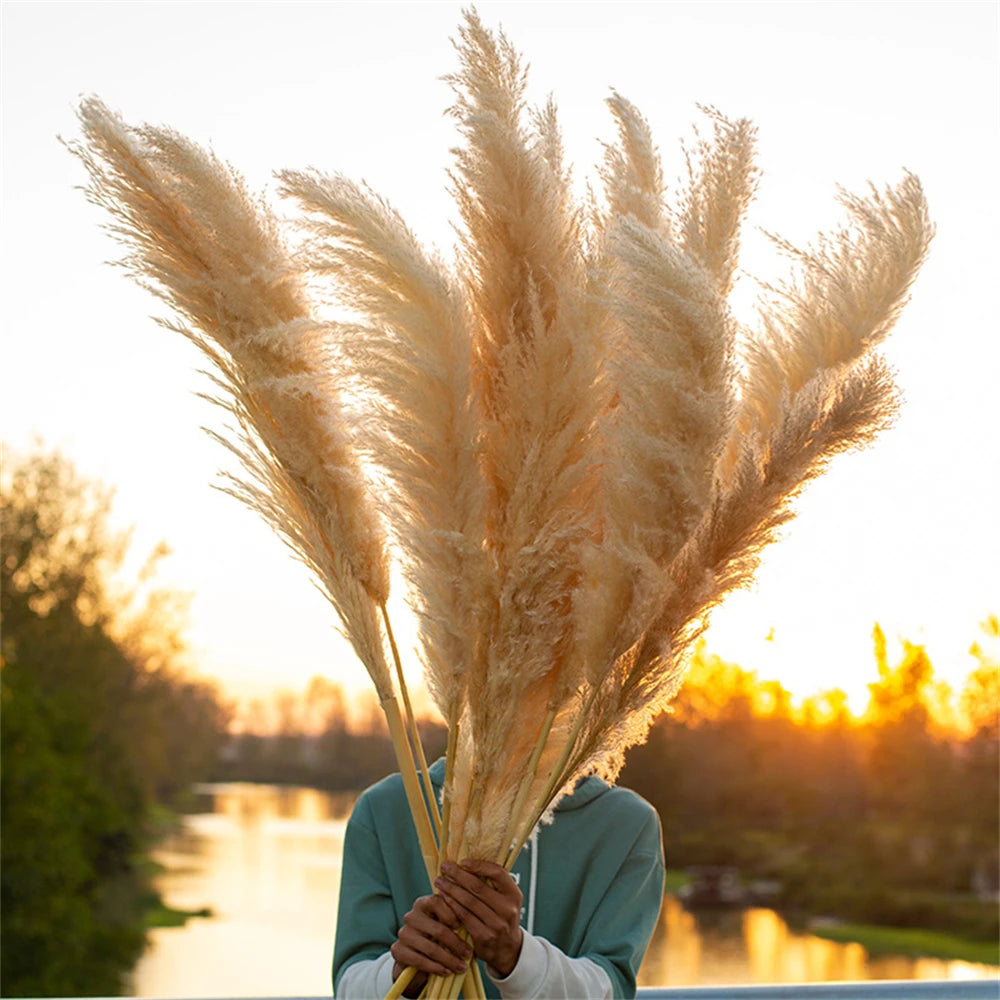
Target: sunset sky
(843,93)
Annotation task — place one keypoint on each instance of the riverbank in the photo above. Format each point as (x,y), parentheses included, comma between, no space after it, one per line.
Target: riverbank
(163,824)
(909,942)
(878,940)
(158,914)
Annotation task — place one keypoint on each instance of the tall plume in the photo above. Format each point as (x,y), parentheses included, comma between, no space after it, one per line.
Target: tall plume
(840,302)
(412,352)
(203,245)
(536,344)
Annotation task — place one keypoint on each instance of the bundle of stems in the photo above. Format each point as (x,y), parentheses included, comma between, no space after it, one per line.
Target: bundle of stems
(585,451)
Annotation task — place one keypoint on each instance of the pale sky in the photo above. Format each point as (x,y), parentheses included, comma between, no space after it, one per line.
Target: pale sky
(843,93)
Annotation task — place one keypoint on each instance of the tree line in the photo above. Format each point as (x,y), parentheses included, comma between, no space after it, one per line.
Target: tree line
(887,818)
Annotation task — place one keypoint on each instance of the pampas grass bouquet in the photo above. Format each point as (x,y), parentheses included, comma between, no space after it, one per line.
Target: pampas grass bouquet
(571,444)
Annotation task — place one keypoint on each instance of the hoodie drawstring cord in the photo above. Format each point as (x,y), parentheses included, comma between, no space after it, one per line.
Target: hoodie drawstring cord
(533,882)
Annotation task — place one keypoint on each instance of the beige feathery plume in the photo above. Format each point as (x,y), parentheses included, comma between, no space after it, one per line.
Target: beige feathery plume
(844,299)
(670,326)
(835,412)
(200,243)
(619,580)
(549,143)
(632,172)
(668,275)
(819,391)
(412,352)
(538,357)
(672,373)
(198,240)
(722,181)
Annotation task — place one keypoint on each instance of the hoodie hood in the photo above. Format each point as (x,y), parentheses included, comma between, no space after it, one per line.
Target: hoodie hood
(584,791)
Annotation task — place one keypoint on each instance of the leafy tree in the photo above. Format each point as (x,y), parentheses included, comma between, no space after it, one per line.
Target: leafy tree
(912,772)
(981,695)
(98,725)
(980,761)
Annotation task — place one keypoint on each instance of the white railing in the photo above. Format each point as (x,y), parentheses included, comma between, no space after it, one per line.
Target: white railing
(915,989)
(976,989)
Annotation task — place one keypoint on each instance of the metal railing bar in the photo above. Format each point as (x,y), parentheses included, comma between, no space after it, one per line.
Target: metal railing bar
(915,989)
(975,989)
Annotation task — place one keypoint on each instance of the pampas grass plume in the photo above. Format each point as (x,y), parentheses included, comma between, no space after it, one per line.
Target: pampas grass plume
(214,255)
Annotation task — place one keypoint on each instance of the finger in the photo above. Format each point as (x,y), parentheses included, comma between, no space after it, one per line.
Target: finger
(506,906)
(481,931)
(440,909)
(497,878)
(434,908)
(407,955)
(487,870)
(482,922)
(474,885)
(421,925)
(432,949)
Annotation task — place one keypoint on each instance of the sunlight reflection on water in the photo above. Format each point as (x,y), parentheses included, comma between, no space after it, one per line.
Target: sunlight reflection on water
(267,861)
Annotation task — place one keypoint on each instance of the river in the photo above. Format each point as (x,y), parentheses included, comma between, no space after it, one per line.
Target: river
(266,860)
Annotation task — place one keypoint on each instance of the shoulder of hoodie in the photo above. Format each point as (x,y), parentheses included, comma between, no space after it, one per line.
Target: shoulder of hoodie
(389,794)
(385,796)
(625,807)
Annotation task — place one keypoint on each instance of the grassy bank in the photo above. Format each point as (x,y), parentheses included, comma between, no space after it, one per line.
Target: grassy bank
(156,913)
(161,915)
(675,880)
(909,941)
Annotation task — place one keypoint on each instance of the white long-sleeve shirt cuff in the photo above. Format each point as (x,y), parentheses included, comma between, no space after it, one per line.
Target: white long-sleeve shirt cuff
(542,970)
(366,979)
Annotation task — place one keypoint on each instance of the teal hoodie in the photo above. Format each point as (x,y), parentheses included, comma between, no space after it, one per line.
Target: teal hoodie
(597,886)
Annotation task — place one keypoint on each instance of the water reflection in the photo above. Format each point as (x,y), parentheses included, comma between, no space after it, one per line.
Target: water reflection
(267,861)
(723,947)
